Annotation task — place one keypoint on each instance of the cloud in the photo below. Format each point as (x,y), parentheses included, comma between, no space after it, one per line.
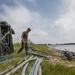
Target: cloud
(44,30)
(20,18)
(66,21)
(16,15)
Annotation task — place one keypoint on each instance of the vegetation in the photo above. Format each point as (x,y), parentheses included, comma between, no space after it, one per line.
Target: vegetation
(49,67)
(57,69)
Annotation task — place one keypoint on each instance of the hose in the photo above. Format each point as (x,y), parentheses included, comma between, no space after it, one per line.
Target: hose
(40,70)
(12,66)
(24,69)
(4,59)
(18,67)
(33,68)
(46,53)
(36,54)
(37,67)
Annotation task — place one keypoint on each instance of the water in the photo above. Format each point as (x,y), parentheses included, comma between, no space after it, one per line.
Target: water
(63,47)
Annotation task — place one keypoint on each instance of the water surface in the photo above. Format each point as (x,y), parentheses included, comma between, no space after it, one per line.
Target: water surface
(63,47)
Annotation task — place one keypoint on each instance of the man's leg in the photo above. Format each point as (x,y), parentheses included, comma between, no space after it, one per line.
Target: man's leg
(22,46)
(26,48)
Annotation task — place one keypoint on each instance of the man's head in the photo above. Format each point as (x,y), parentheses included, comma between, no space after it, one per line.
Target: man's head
(28,30)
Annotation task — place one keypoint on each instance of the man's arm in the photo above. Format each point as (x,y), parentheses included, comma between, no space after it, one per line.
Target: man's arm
(22,37)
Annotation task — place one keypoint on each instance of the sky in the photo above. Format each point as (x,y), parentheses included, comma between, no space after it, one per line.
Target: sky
(51,21)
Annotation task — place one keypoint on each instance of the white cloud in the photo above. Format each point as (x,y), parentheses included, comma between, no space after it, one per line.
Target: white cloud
(43,30)
(67,21)
(21,18)
(18,15)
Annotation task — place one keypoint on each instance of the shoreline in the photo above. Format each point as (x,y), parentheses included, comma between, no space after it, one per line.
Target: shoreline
(58,50)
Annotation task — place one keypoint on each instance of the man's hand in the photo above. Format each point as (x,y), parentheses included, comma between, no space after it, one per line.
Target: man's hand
(25,40)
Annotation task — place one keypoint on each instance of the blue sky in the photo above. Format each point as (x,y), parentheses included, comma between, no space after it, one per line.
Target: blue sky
(47,8)
(51,21)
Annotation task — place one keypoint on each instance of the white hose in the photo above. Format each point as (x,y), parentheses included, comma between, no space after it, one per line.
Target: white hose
(6,70)
(18,67)
(24,69)
(40,70)
(12,66)
(33,68)
(37,67)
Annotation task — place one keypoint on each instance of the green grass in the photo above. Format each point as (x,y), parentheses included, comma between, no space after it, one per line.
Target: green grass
(57,69)
(48,68)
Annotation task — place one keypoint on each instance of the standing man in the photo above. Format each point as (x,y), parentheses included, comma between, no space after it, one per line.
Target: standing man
(24,41)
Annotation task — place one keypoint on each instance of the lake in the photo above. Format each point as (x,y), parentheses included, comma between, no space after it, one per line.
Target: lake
(63,47)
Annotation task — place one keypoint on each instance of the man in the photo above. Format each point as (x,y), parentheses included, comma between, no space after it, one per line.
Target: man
(25,40)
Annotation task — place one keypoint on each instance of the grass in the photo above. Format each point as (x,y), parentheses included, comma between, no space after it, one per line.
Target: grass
(57,69)
(48,67)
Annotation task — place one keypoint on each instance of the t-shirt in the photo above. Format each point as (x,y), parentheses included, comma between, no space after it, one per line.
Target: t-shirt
(25,35)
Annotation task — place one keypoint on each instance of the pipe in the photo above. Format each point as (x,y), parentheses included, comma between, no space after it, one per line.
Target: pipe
(4,59)
(40,70)
(5,35)
(6,70)
(4,45)
(12,66)
(39,55)
(33,68)
(18,67)
(23,59)
(46,52)
(37,67)
(24,69)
